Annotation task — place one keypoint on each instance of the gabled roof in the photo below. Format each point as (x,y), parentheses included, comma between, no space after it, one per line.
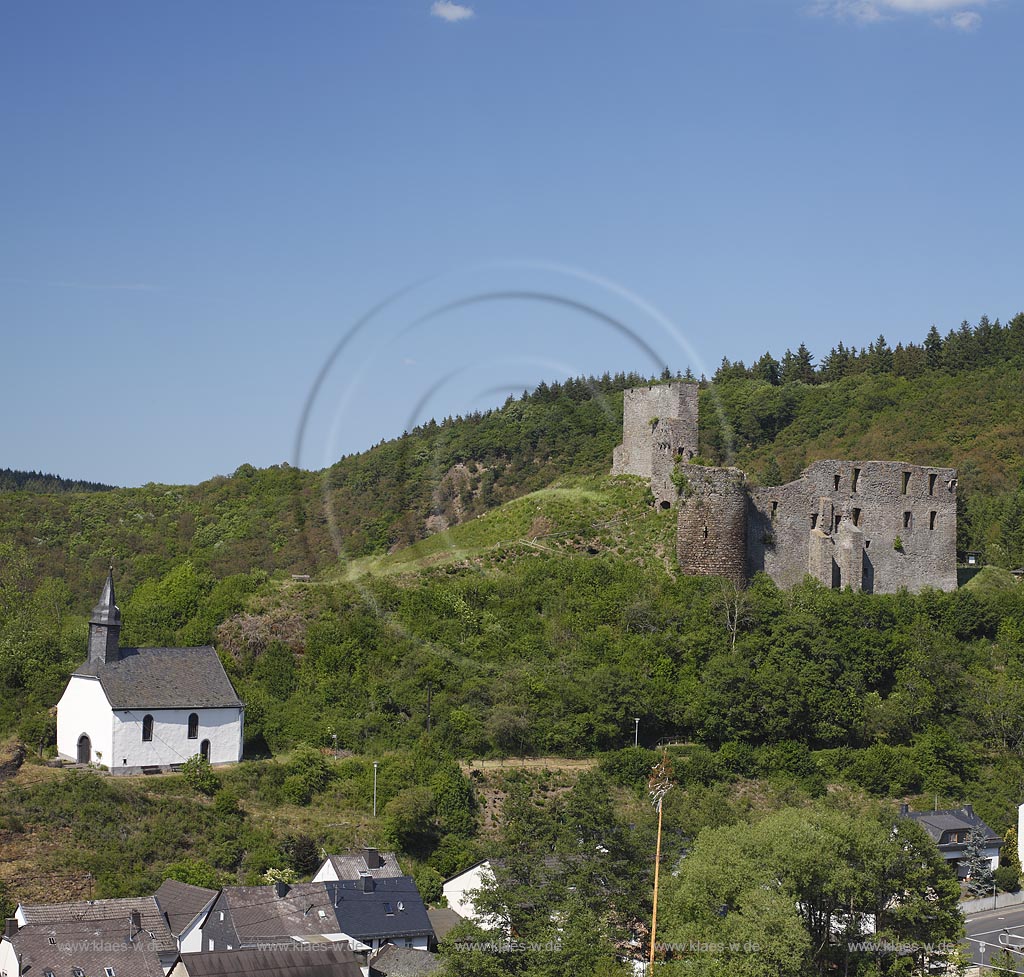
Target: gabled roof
(86,947)
(181,903)
(164,678)
(310,909)
(115,911)
(298,960)
(350,865)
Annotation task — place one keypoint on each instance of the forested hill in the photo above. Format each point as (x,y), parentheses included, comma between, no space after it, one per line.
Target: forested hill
(12,480)
(953,400)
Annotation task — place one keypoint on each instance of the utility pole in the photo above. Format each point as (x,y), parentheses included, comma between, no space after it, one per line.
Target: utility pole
(636,731)
(375,765)
(658,786)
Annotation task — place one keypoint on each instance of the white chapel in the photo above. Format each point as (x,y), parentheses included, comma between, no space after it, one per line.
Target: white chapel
(139,710)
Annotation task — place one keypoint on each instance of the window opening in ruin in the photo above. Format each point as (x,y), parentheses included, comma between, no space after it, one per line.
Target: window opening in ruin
(839,518)
(666,504)
(856,517)
(906,482)
(775,509)
(931,483)
(908,520)
(814,520)
(837,481)
(867,543)
(705,532)
(855,480)
(931,519)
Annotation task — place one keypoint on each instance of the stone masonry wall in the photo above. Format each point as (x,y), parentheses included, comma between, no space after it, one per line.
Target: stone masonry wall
(881,500)
(712,528)
(659,426)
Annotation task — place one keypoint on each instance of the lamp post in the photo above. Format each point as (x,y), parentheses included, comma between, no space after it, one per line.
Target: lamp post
(375,765)
(636,731)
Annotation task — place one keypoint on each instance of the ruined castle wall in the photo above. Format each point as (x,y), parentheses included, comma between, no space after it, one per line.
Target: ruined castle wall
(659,425)
(712,528)
(882,500)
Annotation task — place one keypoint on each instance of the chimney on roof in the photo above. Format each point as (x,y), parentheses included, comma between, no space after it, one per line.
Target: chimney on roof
(373,859)
(10,927)
(969,809)
(281,889)
(105,625)
(367,880)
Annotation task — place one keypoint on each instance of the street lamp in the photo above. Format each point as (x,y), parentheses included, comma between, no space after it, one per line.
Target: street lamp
(636,731)
(375,765)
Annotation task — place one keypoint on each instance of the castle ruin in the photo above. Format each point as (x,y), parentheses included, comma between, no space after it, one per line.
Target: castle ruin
(876,526)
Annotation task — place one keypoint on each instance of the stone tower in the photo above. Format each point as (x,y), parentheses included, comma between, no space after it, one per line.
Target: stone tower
(659,428)
(105,625)
(712,532)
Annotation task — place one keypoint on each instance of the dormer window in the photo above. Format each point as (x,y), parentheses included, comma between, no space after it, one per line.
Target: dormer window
(193,726)
(389,909)
(77,972)
(53,941)
(147,728)
(109,972)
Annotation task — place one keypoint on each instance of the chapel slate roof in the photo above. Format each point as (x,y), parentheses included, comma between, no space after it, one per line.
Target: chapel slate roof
(85,948)
(298,960)
(181,902)
(164,678)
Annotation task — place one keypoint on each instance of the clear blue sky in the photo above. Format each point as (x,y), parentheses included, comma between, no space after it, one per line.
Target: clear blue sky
(199,199)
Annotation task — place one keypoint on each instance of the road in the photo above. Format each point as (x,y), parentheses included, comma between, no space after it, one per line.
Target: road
(984,930)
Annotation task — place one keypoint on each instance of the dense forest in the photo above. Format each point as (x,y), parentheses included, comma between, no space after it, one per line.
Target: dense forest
(483,589)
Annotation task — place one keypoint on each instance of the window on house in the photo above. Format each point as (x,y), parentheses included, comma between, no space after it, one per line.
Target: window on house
(931,519)
(931,483)
(855,480)
(53,941)
(109,971)
(389,909)
(193,726)
(908,520)
(906,483)
(147,728)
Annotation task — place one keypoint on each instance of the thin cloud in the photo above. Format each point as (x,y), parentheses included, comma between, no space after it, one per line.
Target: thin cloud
(873,11)
(965,20)
(451,12)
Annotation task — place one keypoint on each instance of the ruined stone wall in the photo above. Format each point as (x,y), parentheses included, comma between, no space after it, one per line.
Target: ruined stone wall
(659,426)
(881,501)
(712,529)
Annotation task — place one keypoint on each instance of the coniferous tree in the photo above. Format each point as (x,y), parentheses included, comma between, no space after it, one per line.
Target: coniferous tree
(976,864)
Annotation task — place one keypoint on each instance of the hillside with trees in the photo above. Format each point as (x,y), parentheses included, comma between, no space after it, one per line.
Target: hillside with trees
(484,589)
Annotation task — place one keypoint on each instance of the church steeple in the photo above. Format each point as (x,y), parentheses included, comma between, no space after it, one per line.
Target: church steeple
(105,625)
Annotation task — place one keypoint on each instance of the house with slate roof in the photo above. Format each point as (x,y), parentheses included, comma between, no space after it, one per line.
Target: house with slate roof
(950,829)
(102,938)
(354,865)
(299,960)
(366,913)
(185,907)
(144,710)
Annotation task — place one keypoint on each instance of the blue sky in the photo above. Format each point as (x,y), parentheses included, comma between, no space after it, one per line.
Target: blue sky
(201,200)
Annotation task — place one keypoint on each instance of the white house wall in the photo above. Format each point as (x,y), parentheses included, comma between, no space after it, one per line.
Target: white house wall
(170,742)
(84,708)
(9,959)
(459,890)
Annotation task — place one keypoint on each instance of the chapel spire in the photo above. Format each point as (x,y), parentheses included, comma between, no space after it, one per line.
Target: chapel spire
(105,625)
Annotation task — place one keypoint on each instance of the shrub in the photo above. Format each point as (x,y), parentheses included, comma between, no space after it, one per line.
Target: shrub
(198,775)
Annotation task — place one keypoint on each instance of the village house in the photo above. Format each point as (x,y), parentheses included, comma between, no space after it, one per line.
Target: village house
(365,913)
(299,960)
(185,907)
(101,938)
(354,865)
(950,829)
(144,710)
